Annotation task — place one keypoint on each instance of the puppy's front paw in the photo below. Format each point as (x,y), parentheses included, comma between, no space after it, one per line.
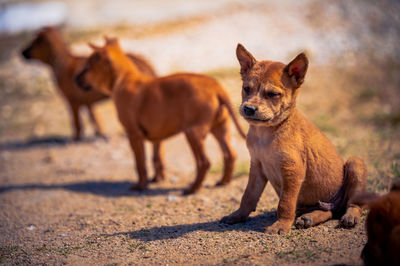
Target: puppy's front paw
(278,227)
(349,220)
(233,218)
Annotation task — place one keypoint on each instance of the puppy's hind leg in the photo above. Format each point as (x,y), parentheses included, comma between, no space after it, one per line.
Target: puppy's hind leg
(158,154)
(137,146)
(313,218)
(195,137)
(355,176)
(221,133)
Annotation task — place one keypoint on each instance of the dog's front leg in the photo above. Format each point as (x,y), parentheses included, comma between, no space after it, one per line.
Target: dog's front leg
(137,145)
(254,189)
(76,120)
(292,178)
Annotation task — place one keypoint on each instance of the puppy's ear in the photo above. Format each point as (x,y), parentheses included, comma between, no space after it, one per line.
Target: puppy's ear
(245,58)
(94,47)
(109,40)
(297,69)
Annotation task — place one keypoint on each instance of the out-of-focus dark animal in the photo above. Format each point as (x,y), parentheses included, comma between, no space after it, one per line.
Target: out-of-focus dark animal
(383,227)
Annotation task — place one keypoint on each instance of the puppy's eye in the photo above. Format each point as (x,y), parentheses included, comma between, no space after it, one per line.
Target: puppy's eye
(271,94)
(246,89)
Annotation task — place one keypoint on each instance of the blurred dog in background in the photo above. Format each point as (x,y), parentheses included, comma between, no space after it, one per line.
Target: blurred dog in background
(383,227)
(49,48)
(157,108)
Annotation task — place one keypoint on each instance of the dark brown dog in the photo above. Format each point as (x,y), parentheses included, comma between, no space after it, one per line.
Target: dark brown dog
(302,165)
(48,47)
(157,108)
(383,227)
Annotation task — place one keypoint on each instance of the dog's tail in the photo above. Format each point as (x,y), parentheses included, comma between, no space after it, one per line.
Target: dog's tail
(354,182)
(224,99)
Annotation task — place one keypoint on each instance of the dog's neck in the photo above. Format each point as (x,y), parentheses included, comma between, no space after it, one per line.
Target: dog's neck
(60,56)
(125,72)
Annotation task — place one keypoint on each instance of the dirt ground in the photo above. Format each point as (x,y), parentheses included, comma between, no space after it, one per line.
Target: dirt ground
(65,202)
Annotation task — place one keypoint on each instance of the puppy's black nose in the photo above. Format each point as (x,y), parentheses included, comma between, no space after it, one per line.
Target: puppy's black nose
(79,80)
(249,110)
(25,53)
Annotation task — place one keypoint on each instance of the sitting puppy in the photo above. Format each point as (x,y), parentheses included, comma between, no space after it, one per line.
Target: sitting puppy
(383,227)
(157,108)
(49,48)
(287,150)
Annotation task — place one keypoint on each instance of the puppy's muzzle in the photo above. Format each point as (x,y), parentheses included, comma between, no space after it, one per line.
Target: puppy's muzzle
(249,110)
(26,53)
(80,81)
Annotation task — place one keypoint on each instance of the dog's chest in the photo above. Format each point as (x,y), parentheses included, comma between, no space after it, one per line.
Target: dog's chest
(263,149)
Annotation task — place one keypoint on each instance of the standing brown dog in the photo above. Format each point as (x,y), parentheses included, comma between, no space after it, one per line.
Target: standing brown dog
(383,227)
(49,48)
(302,165)
(157,108)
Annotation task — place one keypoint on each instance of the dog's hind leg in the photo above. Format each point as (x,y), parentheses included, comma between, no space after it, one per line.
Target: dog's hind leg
(355,176)
(96,124)
(158,154)
(76,120)
(313,218)
(221,133)
(137,146)
(195,137)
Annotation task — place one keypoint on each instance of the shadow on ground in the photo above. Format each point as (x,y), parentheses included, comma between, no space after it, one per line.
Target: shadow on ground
(255,224)
(103,188)
(49,141)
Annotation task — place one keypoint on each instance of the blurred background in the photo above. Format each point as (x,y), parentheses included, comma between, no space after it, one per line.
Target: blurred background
(351,92)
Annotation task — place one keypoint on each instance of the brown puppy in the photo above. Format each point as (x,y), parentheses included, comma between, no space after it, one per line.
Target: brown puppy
(302,165)
(157,108)
(383,227)
(49,48)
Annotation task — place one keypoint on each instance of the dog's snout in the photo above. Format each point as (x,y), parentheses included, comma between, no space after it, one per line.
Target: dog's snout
(249,110)
(25,53)
(79,80)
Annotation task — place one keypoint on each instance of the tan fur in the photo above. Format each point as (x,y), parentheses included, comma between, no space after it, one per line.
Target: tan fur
(383,227)
(49,48)
(157,108)
(287,150)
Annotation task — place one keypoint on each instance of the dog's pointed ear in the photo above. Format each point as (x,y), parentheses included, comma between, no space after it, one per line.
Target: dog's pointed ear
(94,46)
(109,40)
(297,69)
(245,58)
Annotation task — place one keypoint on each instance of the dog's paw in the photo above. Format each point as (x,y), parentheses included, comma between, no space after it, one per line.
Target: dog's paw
(138,187)
(189,191)
(303,222)
(102,136)
(157,178)
(233,218)
(222,183)
(278,228)
(349,220)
